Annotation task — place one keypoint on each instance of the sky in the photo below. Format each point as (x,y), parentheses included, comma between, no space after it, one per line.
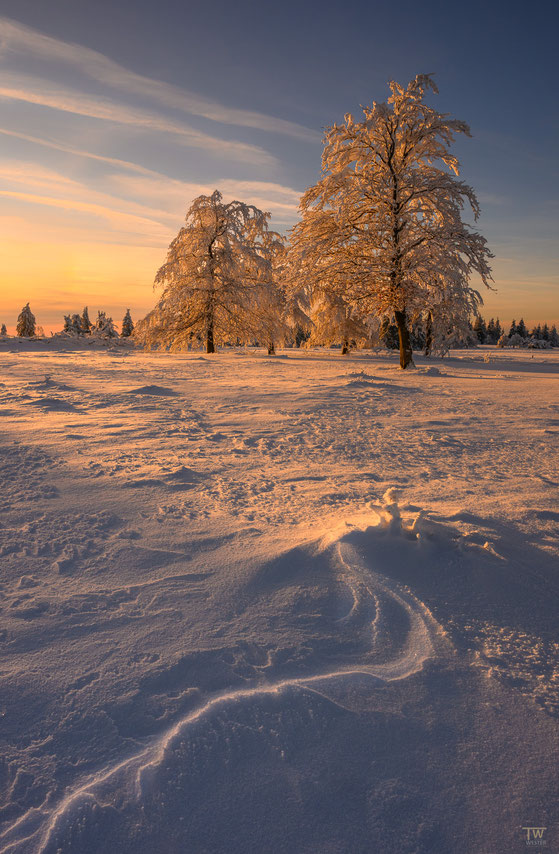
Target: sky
(115,116)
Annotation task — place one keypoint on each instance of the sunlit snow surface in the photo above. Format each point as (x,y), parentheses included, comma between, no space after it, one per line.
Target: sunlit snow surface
(253,604)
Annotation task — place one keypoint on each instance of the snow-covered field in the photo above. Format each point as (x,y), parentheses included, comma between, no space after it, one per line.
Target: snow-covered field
(304,603)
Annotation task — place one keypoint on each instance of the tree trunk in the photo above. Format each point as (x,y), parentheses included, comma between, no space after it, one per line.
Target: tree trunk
(271,349)
(210,346)
(406,352)
(429,334)
(345,347)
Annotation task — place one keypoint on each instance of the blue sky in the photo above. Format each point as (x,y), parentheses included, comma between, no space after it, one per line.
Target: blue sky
(116,115)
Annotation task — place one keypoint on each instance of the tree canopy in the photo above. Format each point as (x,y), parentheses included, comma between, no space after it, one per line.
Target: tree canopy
(383,225)
(217,280)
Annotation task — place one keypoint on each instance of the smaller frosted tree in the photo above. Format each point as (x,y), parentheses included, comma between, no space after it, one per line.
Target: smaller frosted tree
(480,329)
(104,326)
(214,279)
(26,323)
(521,328)
(127,325)
(3,330)
(334,322)
(72,324)
(85,323)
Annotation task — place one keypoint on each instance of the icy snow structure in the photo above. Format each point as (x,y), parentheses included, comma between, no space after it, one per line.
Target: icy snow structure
(380,616)
(253,606)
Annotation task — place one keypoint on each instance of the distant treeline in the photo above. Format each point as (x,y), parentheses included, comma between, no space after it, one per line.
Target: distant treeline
(517,334)
(541,336)
(74,325)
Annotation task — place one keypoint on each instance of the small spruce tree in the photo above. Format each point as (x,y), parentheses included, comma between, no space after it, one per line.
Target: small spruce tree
(512,330)
(521,328)
(26,323)
(104,326)
(480,329)
(127,325)
(3,330)
(85,322)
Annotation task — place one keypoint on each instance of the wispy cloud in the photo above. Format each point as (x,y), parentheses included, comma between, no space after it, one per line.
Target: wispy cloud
(39,186)
(17,37)
(34,90)
(170,194)
(116,217)
(174,195)
(78,152)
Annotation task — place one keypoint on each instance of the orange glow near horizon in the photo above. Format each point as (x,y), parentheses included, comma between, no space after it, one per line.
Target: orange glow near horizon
(61,278)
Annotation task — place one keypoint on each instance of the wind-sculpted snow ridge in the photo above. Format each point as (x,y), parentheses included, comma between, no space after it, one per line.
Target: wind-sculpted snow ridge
(386,635)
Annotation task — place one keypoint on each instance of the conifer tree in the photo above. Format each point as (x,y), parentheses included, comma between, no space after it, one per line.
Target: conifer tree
(3,330)
(127,325)
(85,322)
(553,336)
(513,329)
(545,332)
(480,329)
(26,323)
(521,328)
(383,225)
(104,326)
(72,324)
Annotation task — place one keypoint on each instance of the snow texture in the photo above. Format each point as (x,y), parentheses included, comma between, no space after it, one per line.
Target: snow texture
(256,604)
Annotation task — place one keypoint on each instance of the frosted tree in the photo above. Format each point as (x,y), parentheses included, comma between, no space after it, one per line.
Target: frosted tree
(85,322)
(127,325)
(26,323)
(72,324)
(384,221)
(334,322)
(3,330)
(215,278)
(480,329)
(104,326)
(448,323)
(270,316)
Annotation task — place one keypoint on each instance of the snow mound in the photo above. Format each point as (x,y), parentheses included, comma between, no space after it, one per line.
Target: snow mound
(53,404)
(360,632)
(154,391)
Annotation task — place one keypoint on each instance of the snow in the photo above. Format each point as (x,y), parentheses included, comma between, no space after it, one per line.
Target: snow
(302,603)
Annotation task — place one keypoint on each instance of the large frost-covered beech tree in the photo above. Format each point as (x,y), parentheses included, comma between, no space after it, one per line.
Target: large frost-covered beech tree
(383,225)
(217,280)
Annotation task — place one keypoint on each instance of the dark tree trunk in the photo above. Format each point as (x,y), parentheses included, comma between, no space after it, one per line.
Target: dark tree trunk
(429,334)
(406,352)
(210,346)
(345,347)
(271,349)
